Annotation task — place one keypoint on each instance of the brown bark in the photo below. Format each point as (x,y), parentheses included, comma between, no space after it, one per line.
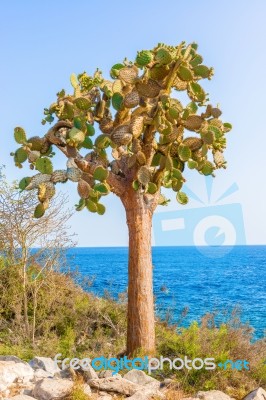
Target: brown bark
(140,329)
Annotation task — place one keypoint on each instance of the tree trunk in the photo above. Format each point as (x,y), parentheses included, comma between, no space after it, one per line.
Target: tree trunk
(140,329)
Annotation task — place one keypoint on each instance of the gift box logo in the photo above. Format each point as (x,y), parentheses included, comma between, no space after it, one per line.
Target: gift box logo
(211,224)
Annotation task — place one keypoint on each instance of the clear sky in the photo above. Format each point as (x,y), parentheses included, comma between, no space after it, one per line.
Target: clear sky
(42,43)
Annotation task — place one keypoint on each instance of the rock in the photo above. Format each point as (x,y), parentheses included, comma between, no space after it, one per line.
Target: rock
(105,374)
(45,363)
(86,389)
(257,394)
(48,389)
(115,384)
(27,391)
(13,358)
(104,396)
(22,397)
(147,393)
(11,371)
(213,395)
(41,373)
(87,372)
(140,378)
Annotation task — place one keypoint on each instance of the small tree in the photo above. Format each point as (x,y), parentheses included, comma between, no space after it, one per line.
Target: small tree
(137,135)
(31,268)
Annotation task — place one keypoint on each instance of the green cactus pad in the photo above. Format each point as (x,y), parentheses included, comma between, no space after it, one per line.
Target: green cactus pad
(100,209)
(177,185)
(75,137)
(91,206)
(184,73)
(74,81)
(144,57)
(182,198)
(115,70)
(20,156)
(100,173)
(163,56)
(19,135)
(102,188)
(102,141)
(117,101)
(81,205)
(176,174)
(196,60)
(192,164)
(196,92)
(135,184)
(208,168)
(90,129)
(24,183)
(202,71)
(39,211)
(82,103)
(152,188)
(184,152)
(44,165)
(87,144)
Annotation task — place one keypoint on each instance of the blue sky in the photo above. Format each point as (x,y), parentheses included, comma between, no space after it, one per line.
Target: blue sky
(42,43)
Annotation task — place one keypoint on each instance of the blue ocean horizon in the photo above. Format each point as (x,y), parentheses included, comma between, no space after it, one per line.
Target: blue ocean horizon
(198,280)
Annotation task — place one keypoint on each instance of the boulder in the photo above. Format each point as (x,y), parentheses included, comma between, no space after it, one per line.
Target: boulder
(49,389)
(13,358)
(147,393)
(140,378)
(10,371)
(41,373)
(86,389)
(88,372)
(22,397)
(105,374)
(213,395)
(257,394)
(45,363)
(115,384)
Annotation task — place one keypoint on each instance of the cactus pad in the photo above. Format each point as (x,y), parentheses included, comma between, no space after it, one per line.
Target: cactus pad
(19,135)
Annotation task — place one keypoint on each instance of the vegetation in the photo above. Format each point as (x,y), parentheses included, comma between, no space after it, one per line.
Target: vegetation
(77,324)
(143,143)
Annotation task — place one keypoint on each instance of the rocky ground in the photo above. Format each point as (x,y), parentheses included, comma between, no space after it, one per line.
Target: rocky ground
(40,379)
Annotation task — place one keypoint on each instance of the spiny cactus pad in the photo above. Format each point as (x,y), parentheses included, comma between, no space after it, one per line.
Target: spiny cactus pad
(133,129)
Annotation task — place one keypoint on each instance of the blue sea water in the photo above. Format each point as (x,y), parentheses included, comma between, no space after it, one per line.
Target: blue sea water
(184,277)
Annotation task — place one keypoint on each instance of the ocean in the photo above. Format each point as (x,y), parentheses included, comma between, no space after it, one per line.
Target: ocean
(188,282)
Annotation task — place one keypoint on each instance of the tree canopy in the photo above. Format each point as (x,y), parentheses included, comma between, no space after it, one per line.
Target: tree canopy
(130,130)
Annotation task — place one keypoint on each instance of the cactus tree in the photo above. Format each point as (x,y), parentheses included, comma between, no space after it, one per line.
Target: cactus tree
(130,135)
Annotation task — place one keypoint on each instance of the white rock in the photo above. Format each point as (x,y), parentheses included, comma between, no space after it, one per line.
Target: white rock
(139,377)
(22,397)
(48,389)
(147,393)
(13,358)
(86,389)
(257,394)
(41,373)
(105,374)
(213,395)
(11,371)
(115,384)
(88,372)
(45,363)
